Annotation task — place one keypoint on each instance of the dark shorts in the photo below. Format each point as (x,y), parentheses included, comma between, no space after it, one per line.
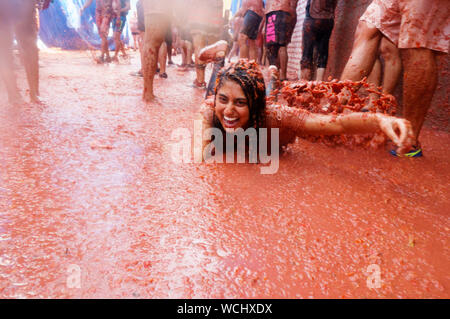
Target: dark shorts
(169,37)
(277,27)
(251,24)
(119,24)
(316,34)
(185,35)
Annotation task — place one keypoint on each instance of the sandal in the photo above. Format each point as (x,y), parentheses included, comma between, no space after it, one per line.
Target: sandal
(416,151)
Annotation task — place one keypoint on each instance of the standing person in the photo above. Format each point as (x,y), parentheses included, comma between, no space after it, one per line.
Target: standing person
(103,15)
(205,21)
(317,28)
(134,30)
(121,11)
(253,12)
(18,18)
(388,77)
(236,25)
(421,30)
(169,42)
(157,21)
(281,17)
(181,22)
(140,17)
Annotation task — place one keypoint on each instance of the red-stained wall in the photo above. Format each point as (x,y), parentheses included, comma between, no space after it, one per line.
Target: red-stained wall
(347,16)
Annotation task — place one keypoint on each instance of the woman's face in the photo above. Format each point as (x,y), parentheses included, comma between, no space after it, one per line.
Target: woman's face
(232,108)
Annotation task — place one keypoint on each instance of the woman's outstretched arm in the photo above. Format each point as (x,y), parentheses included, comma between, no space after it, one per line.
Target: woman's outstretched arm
(300,122)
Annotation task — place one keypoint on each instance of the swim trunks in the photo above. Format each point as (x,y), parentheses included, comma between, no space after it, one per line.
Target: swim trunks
(119,23)
(316,34)
(277,27)
(412,23)
(251,24)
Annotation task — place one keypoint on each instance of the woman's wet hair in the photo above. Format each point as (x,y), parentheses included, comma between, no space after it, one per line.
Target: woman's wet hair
(249,77)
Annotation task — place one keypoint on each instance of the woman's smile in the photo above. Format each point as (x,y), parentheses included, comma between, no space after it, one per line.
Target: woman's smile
(232,108)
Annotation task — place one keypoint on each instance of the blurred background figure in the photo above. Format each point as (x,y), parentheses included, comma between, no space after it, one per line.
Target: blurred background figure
(252,12)
(18,20)
(134,30)
(205,22)
(103,15)
(236,25)
(317,28)
(157,23)
(281,17)
(121,9)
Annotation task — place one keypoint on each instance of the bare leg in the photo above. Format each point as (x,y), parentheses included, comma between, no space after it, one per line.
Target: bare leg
(253,50)
(320,73)
(141,48)
(162,59)
(6,62)
(117,45)
(305,74)
(26,34)
(135,42)
(375,75)
(282,53)
(169,52)
(104,36)
(199,43)
(189,52)
(419,84)
(233,51)
(364,52)
(184,53)
(393,65)
(243,47)
(156,26)
(375,79)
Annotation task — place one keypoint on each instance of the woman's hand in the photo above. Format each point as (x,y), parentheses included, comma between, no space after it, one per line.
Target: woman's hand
(399,131)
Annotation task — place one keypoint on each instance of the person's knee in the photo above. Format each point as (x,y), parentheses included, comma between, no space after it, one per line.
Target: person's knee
(242,39)
(366,31)
(389,51)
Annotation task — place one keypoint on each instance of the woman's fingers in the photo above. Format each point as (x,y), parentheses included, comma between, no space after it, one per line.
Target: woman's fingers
(389,130)
(404,136)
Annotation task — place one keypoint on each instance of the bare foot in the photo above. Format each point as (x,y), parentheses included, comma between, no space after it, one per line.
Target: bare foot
(35,99)
(148,97)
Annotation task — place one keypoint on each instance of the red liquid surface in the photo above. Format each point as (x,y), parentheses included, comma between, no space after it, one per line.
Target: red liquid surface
(87,180)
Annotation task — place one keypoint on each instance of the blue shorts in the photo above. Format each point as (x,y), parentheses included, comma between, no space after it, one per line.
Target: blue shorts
(119,24)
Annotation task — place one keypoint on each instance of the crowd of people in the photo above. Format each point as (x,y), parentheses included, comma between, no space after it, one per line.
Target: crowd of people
(402,32)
